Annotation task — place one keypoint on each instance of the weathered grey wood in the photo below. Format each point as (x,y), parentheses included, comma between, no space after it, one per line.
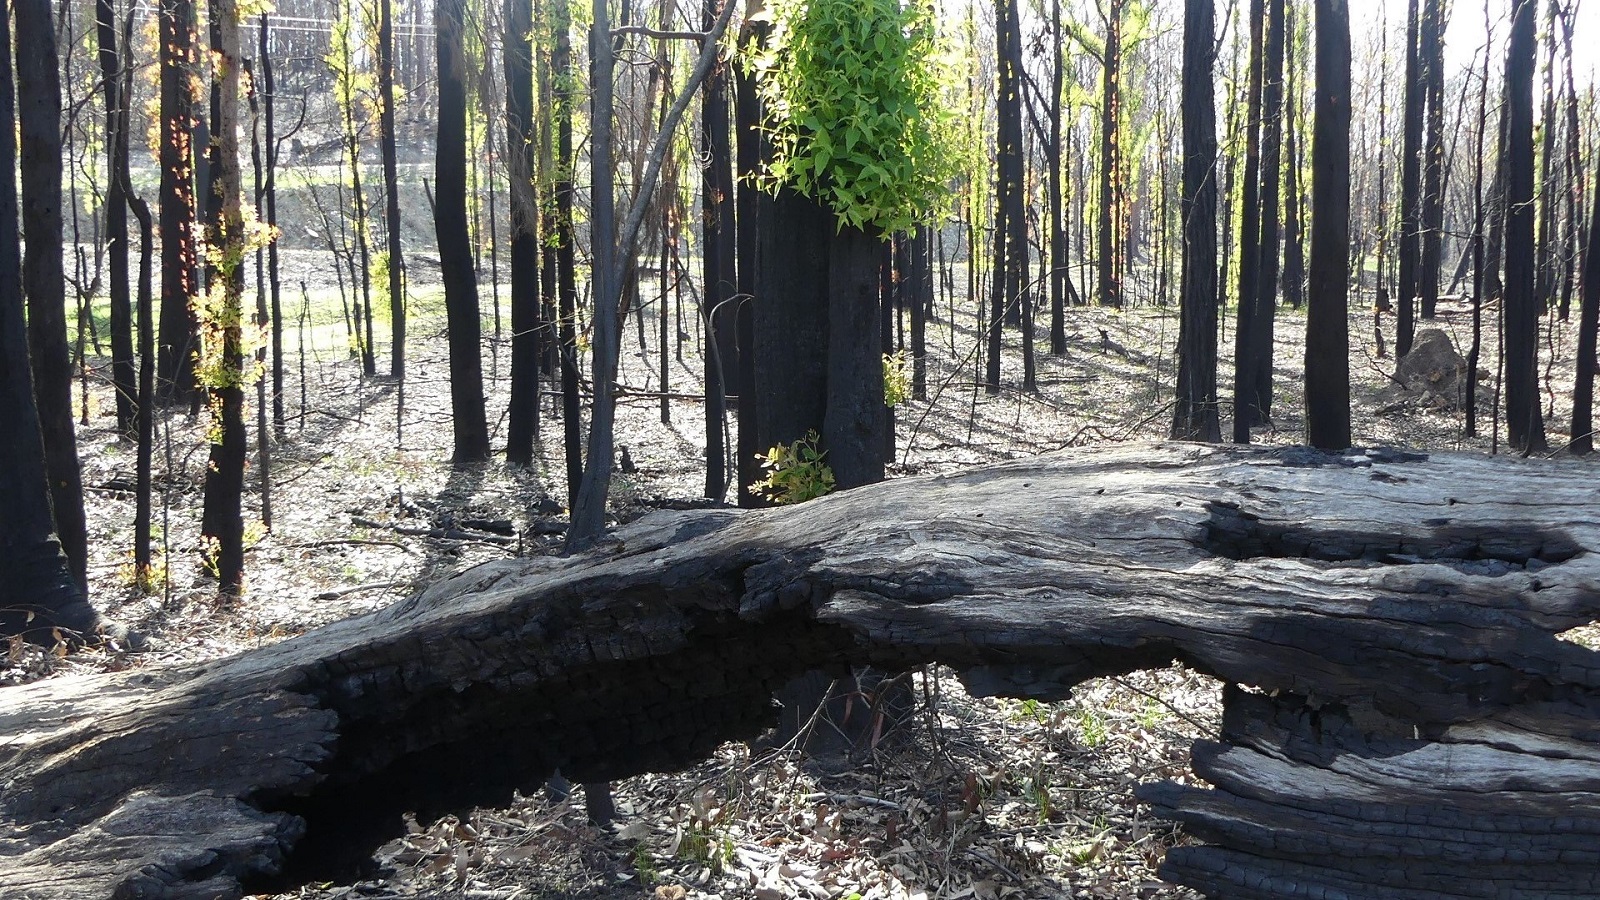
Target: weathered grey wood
(1414,726)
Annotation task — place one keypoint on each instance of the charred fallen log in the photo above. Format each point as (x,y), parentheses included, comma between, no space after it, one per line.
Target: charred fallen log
(1413,726)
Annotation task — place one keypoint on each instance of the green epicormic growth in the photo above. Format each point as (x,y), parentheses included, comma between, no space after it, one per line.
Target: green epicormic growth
(855,109)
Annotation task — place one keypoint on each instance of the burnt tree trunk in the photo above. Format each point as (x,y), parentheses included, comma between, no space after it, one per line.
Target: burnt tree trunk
(455,252)
(123,377)
(391,201)
(854,423)
(1196,416)
(179,255)
(522,414)
(43,282)
(720,279)
(1109,290)
(1524,421)
(37,589)
(1244,361)
(1410,184)
(1328,306)
(1416,728)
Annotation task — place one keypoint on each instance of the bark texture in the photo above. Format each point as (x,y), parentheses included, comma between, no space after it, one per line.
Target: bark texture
(1416,729)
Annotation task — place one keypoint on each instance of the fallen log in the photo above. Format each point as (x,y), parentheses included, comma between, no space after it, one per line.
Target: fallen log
(1409,724)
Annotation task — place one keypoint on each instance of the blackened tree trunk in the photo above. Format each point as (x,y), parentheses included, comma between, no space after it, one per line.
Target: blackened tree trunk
(455,245)
(1053,182)
(362,264)
(921,298)
(179,286)
(1479,275)
(1010,252)
(1244,359)
(39,129)
(522,416)
(1433,186)
(1294,259)
(146,419)
(391,198)
(1264,309)
(269,190)
(1494,251)
(566,95)
(588,513)
(791,320)
(123,377)
(35,577)
(1588,325)
(1327,313)
(748,149)
(1110,290)
(1573,170)
(1546,249)
(1195,418)
(720,278)
(854,423)
(1524,422)
(222,346)
(1410,185)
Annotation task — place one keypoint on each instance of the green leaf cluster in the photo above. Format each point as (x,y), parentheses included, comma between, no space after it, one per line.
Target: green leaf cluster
(896,378)
(795,472)
(855,93)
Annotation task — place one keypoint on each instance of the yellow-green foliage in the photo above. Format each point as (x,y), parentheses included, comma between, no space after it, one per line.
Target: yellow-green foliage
(795,472)
(896,378)
(858,118)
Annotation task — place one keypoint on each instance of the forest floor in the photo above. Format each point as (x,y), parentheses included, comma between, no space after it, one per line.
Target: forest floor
(981,798)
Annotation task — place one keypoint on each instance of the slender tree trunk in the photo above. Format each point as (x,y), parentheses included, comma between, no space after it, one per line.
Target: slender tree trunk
(455,245)
(358,207)
(1479,276)
(147,377)
(588,514)
(1410,185)
(747,128)
(1110,290)
(719,276)
(222,346)
(1433,175)
(1244,357)
(178,253)
(1588,325)
(1327,314)
(1265,307)
(391,204)
(566,96)
(921,302)
(123,377)
(263,317)
(1294,260)
(1053,155)
(615,242)
(1195,418)
(270,191)
(43,281)
(1495,250)
(1524,422)
(522,425)
(1573,172)
(1015,162)
(1545,243)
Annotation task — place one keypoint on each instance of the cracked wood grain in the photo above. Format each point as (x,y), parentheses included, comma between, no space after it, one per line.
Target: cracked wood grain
(1413,726)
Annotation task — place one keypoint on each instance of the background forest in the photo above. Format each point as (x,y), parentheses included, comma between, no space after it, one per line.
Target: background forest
(324,299)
